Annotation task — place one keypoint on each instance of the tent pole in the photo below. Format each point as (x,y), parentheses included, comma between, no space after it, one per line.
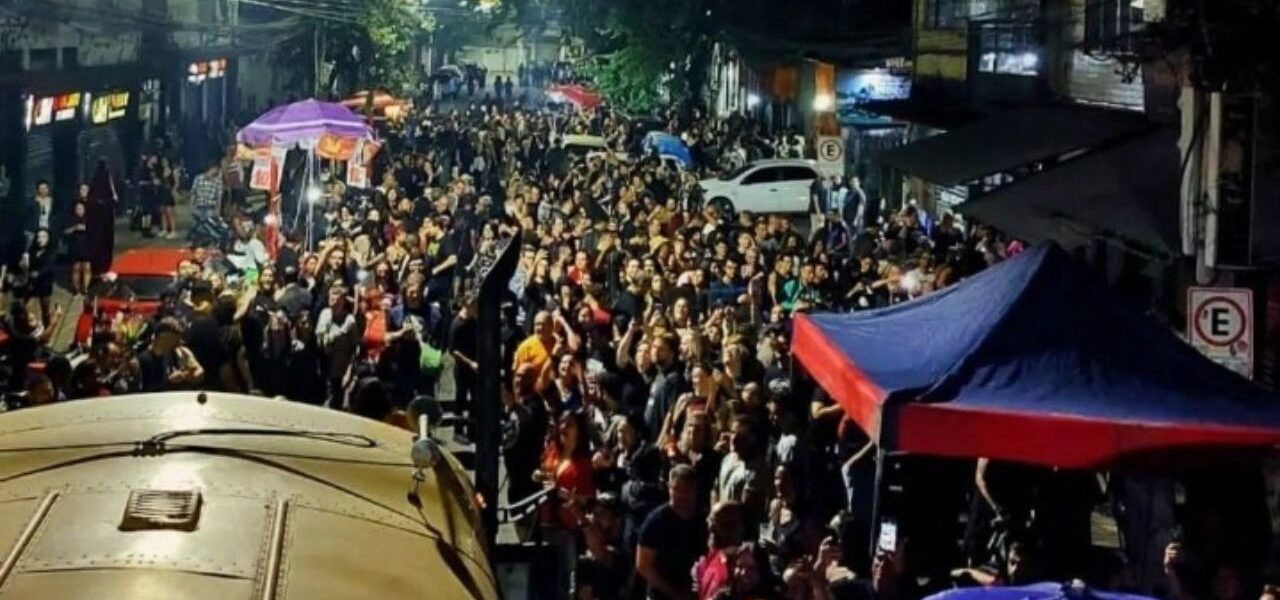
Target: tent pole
(876,504)
(306,197)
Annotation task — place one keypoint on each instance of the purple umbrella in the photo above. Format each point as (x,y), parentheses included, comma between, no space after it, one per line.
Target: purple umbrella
(308,120)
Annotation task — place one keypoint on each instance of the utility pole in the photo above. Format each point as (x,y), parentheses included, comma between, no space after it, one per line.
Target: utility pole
(315,55)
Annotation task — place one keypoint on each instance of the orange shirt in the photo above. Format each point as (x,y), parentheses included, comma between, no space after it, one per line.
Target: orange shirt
(531,352)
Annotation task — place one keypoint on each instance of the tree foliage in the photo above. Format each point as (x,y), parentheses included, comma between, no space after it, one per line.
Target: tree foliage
(372,49)
(389,29)
(644,52)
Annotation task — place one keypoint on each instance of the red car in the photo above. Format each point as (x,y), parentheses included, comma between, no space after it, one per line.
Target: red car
(136,280)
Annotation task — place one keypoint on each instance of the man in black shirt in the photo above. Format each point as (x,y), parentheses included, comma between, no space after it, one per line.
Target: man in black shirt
(443,260)
(530,415)
(462,346)
(165,365)
(204,337)
(672,539)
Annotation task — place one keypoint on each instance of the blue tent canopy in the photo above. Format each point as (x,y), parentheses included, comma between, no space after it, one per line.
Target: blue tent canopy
(1031,360)
(665,144)
(1038,591)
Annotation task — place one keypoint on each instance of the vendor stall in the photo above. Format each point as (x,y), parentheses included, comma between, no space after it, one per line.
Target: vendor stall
(321,130)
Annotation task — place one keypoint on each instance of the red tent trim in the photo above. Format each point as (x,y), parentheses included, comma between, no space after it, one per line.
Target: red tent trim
(1067,441)
(860,397)
(940,429)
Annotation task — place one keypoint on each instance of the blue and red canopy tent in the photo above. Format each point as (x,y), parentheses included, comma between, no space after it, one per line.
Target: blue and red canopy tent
(1034,361)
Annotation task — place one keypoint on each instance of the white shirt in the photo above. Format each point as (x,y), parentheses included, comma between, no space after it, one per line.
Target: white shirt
(46,209)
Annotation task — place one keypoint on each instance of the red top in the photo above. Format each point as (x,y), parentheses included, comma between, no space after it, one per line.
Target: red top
(712,573)
(573,475)
(375,333)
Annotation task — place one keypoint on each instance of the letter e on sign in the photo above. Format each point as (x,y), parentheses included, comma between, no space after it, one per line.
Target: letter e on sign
(1220,325)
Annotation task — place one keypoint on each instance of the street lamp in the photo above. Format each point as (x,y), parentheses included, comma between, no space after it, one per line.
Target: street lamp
(823,102)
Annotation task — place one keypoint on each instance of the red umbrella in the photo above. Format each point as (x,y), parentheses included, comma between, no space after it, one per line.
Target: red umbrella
(578,95)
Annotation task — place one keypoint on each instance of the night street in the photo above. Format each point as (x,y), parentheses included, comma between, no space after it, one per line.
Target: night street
(639,299)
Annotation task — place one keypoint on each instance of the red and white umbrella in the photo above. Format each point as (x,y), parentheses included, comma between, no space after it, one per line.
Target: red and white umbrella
(577,95)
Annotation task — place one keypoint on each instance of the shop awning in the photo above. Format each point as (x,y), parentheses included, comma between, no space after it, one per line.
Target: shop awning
(1010,140)
(942,116)
(1126,193)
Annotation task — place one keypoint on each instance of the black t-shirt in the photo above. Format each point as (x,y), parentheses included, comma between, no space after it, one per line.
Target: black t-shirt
(462,337)
(440,285)
(286,257)
(205,341)
(678,543)
(629,304)
(534,421)
(154,370)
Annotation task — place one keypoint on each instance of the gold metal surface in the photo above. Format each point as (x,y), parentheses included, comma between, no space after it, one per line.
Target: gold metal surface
(319,513)
(24,538)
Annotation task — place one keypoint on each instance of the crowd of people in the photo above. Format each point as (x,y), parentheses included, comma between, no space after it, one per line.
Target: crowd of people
(646,371)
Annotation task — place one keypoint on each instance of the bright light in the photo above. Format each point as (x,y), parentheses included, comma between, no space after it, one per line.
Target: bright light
(823,102)
(753,100)
(270,220)
(1029,60)
(314,194)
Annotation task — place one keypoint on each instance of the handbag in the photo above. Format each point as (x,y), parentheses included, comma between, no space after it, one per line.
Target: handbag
(430,358)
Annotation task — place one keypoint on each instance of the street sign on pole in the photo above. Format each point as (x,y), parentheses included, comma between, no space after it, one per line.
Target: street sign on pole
(831,155)
(1220,326)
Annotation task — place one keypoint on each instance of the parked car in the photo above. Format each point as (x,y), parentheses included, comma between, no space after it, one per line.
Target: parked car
(765,186)
(135,281)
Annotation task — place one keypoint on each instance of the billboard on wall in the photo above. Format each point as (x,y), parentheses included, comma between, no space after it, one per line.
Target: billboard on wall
(856,87)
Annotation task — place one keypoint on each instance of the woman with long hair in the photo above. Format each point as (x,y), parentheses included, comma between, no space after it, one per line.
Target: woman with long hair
(100,219)
(566,468)
(166,196)
(77,251)
(40,258)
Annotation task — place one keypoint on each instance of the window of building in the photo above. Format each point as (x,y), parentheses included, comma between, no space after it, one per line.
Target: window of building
(1008,49)
(1109,23)
(945,14)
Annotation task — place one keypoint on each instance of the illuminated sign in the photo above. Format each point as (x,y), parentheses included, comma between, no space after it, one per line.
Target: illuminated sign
(52,109)
(39,112)
(856,87)
(108,107)
(66,106)
(198,72)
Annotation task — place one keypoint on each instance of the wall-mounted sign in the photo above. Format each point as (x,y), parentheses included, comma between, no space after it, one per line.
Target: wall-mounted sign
(66,106)
(198,72)
(52,109)
(39,112)
(108,107)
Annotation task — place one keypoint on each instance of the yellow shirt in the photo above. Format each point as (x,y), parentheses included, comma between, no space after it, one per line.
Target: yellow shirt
(531,352)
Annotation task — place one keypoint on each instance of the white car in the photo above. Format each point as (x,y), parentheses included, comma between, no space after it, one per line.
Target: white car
(765,186)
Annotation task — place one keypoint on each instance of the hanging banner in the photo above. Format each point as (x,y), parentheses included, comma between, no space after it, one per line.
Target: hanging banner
(357,169)
(357,176)
(260,178)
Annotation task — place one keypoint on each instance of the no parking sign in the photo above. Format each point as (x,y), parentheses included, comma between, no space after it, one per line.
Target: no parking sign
(1220,326)
(831,155)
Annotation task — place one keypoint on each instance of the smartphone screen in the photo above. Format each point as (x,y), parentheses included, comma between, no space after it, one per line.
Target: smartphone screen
(888,536)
